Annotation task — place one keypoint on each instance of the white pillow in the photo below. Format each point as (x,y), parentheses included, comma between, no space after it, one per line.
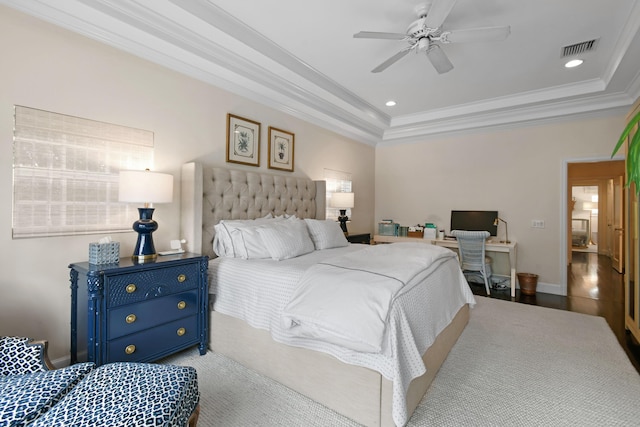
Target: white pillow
(238,238)
(222,244)
(326,234)
(286,239)
(247,243)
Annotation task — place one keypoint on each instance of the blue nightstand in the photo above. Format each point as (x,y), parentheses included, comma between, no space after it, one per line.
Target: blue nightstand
(133,312)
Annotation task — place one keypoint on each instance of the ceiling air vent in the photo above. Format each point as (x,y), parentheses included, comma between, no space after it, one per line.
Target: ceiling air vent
(579,48)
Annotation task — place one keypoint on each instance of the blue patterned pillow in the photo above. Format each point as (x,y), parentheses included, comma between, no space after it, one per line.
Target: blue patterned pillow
(19,355)
(25,397)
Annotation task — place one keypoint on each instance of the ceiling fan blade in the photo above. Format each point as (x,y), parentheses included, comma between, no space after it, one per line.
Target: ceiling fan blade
(438,12)
(376,35)
(439,59)
(485,34)
(392,60)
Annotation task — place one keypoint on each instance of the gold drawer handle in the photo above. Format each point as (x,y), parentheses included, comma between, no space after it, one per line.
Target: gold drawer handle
(181,332)
(181,305)
(130,349)
(181,278)
(131,288)
(131,318)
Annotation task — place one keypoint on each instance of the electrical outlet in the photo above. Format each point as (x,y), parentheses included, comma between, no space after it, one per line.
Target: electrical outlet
(537,223)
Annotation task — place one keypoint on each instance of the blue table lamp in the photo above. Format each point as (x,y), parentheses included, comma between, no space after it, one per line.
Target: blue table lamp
(145,187)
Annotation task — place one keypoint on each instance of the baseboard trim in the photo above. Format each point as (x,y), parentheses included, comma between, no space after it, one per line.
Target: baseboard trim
(550,288)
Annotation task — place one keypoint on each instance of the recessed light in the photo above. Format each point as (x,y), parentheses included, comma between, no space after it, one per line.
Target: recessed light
(390,103)
(573,63)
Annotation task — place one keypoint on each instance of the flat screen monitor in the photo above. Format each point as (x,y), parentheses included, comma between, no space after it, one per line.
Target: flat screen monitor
(474,221)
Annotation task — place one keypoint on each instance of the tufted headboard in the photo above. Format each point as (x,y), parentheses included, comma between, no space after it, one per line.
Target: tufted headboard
(209,194)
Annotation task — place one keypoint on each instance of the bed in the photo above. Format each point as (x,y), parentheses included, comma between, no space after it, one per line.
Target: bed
(350,381)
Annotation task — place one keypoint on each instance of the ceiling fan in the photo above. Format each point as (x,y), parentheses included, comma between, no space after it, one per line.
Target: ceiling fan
(426,34)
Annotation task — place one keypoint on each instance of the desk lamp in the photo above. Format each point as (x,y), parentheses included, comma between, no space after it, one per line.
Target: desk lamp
(506,229)
(146,187)
(342,201)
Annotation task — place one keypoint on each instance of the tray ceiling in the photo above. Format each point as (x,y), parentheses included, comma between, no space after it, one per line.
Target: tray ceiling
(301,58)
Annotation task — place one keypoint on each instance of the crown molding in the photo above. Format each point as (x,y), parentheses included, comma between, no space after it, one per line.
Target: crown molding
(627,35)
(527,114)
(221,20)
(165,35)
(507,102)
(146,34)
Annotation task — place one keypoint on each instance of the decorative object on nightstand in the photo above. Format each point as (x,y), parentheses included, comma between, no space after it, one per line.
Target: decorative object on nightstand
(145,187)
(342,201)
(132,312)
(506,229)
(104,251)
(176,248)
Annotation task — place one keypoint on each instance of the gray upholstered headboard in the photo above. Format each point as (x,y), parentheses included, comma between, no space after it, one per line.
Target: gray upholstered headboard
(209,194)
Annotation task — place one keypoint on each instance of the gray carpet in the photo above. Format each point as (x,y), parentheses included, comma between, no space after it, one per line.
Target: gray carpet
(514,365)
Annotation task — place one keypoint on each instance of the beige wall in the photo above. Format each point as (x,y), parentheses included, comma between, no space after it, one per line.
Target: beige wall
(49,68)
(518,172)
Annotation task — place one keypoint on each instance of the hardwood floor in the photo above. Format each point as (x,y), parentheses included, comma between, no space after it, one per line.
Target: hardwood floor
(594,288)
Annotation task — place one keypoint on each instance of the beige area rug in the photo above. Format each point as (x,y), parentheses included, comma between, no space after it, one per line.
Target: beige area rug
(514,365)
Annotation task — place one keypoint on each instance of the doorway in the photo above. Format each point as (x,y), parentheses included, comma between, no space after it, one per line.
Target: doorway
(594,222)
(584,218)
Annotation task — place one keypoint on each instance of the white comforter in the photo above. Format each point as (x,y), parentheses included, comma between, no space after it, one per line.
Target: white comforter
(345,300)
(257,291)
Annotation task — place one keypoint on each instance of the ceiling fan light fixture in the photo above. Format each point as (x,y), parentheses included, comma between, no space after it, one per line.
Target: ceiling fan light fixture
(573,63)
(425,34)
(423,44)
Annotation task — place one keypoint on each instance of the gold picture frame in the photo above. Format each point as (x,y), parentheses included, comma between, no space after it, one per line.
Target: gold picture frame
(281,149)
(243,141)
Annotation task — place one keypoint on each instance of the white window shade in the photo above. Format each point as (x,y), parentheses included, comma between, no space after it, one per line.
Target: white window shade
(337,182)
(65,173)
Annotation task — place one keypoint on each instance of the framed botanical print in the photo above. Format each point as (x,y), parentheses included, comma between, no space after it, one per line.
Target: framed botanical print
(281,145)
(243,141)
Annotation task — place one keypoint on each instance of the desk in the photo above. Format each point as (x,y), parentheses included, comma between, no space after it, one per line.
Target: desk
(490,246)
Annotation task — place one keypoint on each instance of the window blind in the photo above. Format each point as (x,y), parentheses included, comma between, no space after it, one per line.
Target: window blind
(337,182)
(65,173)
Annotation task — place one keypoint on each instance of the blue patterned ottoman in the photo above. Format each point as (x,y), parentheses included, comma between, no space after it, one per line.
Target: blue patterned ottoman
(28,385)
(25,397)
(129,394)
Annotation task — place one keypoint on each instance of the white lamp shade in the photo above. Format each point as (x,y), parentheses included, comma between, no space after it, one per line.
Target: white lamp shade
(342,200)
(145,187)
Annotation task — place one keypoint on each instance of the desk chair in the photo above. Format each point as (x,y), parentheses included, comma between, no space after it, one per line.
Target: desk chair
(471,245)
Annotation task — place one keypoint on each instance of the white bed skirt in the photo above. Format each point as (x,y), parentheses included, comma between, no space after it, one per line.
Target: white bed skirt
(358,393)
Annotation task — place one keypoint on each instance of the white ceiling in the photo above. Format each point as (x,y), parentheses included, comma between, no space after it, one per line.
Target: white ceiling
(300,57)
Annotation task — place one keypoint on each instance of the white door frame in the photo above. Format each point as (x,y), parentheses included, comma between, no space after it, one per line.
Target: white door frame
(563,211)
